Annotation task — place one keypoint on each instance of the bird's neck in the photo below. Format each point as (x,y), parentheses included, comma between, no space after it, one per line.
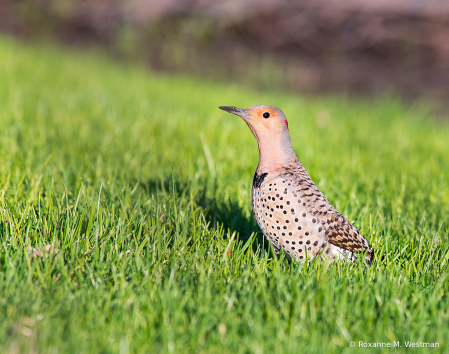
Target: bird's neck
(275,152)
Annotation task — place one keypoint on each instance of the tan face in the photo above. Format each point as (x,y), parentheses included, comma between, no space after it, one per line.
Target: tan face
(269,117)
(261,118)
(270,128)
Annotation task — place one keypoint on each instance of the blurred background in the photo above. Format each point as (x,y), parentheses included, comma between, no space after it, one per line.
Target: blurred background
(352,47)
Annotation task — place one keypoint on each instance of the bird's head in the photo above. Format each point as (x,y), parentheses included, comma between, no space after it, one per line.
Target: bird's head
(270,127)
(261,119)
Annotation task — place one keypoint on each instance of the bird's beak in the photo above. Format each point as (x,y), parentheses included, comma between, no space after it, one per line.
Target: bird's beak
(237,111)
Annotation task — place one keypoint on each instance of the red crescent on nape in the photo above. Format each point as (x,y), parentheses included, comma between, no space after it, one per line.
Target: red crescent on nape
(287,124)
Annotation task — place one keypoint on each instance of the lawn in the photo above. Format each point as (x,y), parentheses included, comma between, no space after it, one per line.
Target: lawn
(143,185)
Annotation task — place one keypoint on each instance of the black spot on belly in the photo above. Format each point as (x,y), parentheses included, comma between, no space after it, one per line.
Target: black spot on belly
(258,179)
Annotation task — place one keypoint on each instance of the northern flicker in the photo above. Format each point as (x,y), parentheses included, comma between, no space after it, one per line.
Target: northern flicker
(289,208)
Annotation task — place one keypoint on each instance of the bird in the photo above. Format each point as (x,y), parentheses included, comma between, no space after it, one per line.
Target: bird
(289,208)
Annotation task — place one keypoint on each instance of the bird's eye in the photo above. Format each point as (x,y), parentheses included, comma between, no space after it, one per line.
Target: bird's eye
(266,114)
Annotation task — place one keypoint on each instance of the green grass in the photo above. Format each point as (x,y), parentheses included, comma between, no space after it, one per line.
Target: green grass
(144,186)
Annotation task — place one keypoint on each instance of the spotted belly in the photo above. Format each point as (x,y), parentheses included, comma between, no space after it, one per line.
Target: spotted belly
(286,221)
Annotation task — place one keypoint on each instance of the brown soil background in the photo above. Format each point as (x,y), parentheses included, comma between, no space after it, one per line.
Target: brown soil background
(351,47)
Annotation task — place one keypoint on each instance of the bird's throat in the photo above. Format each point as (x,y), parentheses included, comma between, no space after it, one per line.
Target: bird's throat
(274,153)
